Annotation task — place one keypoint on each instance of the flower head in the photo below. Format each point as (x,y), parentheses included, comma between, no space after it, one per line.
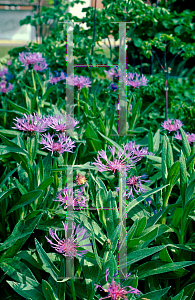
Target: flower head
(171,125)
(80,179)
(57,78)
(115,291)
(61,145)
(70,197)
(114,72)
(79,81)
(136,151)
(33,60)
(113,86)
(31,124)
(68,247)
(130,108)
(125,159)
(129,78)
(62,122)
(4,72)
(190,137)
(5,87)
(134,184)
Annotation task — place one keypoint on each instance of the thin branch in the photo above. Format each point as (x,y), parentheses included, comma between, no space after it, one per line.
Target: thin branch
(158,60)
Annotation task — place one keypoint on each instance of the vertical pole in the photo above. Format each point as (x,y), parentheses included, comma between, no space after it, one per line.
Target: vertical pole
(70,111)
(122,129)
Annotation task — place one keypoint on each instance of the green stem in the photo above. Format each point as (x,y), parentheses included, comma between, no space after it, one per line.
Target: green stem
(78,105)
(5,114)
(120,196)
(72,289)
(71,272)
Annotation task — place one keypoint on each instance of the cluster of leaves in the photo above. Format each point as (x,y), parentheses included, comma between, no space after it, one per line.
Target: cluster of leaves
(160,246)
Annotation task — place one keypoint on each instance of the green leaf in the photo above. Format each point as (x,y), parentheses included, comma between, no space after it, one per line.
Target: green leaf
(22,230)
(111,142)
(61,286)
(135,202)
(26,290)
(156,141)
(93,138)
(19,271)
(155,295)
(183,177)
(140,227)
(26,199)
(150,268)
(48,265)
(169,155)
(138,255)
(177,216)
(164,158)
(5,194)
(51,89)
(148,237)
(19,108)
(48,291)
(47,164)
(185,143)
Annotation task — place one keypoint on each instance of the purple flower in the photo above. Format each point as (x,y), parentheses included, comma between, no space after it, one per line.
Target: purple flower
(148,201)
(129,78)
(9,62)
(63,143)
(70,197)
(114,72)
(130,108)
(79,81)
(33,59)
(5,87)
(124,160)
(62,122)
(190,137)
(134,184)
(57,78)
(171,125)
(4,72)
(113,86)
(68,247)
(136,151)
(31,124)
(115,291)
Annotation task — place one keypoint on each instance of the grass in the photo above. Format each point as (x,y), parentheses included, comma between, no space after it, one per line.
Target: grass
(4,50)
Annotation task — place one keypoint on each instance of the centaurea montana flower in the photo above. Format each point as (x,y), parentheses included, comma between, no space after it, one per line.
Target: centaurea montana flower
(79,81)
(63,144)
(5,87)
(114,72)
(34,60)
(62,122)
(190,137)
(136,151)
(57,78)
(113,86)
(134,183)
(129,78)
(115,291)
(124,160)
(31,123)
(171,125)
(4,72)
(71,197)
(68,247)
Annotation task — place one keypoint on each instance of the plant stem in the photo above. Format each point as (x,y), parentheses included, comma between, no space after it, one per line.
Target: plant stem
(78,105)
